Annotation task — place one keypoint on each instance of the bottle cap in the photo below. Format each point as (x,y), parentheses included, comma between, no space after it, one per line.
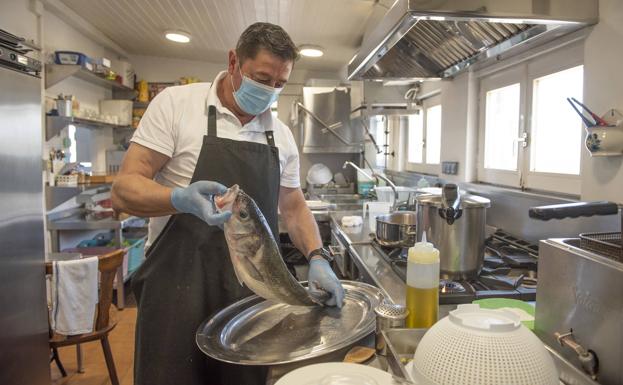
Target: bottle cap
(423,252)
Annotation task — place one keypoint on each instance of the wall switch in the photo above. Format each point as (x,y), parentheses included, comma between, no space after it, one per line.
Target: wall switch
(450,168)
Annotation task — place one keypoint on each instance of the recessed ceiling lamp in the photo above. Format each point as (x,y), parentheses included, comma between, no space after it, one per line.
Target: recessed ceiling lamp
(177,36)
(311,50)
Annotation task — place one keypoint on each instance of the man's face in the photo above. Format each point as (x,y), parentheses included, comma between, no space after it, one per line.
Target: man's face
(264,68)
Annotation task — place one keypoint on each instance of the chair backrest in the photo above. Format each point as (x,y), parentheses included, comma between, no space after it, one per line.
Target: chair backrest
(107,266)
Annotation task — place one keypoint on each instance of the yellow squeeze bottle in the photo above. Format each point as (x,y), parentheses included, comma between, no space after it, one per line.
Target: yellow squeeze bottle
(422,285)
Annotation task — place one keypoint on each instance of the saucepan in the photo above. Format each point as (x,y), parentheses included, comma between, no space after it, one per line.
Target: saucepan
(396,229)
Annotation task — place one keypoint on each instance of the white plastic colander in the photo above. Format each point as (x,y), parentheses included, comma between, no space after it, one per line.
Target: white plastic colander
(482,347)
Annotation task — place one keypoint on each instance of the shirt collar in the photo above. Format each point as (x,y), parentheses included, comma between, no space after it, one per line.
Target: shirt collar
(259,123)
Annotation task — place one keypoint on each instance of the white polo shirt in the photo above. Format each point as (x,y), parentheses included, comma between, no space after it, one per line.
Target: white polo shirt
(176,121)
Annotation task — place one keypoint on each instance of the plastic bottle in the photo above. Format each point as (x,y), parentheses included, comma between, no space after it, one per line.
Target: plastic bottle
(422,285)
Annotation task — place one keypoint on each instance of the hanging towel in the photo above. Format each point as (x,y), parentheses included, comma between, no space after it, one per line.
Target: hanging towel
(74,295)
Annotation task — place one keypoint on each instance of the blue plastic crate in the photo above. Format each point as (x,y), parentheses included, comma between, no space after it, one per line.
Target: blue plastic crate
(136,253)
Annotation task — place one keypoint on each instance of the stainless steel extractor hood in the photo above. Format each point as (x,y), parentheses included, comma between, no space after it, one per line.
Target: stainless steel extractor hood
(439,38)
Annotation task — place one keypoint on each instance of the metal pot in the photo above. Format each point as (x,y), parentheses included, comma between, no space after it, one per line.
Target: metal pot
(396,229)
(455,224)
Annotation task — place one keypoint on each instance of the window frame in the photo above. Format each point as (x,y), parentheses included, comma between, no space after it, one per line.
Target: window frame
(499,80)
(425,168)
(526,73)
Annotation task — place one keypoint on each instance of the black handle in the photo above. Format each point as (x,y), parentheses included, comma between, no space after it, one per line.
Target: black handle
(573,210)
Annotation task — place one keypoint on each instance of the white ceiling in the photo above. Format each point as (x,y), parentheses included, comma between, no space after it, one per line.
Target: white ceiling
(138,25)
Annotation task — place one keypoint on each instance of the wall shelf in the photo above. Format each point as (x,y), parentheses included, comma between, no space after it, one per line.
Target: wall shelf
(55,73)
(54,124)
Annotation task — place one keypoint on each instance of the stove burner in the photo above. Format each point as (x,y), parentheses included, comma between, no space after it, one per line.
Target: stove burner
(449,287)
(507,273)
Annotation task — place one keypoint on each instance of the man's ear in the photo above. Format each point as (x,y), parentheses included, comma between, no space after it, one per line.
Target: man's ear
(232,60)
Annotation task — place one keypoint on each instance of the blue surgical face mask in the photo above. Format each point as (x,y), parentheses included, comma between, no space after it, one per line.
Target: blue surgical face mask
(253,97)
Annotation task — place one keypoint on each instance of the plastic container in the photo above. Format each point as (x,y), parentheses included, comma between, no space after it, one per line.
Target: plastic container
(422,285)
(386,193)
(135,253)
(70,57)
(364,184)
(374,209)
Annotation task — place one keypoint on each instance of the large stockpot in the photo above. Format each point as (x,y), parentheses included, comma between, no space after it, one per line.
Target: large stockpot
(396,229)
(457,230)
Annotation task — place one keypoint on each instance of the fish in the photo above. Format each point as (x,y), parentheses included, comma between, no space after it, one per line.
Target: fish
(254,252)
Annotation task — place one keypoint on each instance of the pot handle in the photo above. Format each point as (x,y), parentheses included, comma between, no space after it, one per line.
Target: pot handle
(573,210)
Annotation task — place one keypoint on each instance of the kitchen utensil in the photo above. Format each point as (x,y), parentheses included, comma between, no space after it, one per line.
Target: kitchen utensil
(401,343)
(336,373)
(397,229)
(596,119)
(64,107)
(319,174)
(258,332)
(604,140)
(388,316)
(359,354)
(482,346)
(373,209)
(524,310)
(457,231)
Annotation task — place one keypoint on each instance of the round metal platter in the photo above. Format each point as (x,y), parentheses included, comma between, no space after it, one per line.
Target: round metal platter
(254,331)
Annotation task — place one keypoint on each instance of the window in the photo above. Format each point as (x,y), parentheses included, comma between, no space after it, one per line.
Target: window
(415,146)
(433,134)
(502,127)
(556,129)
(529,135)
(424,138)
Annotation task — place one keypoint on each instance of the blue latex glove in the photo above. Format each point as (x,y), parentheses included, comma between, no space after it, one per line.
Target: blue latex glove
(197,199)
(321,276)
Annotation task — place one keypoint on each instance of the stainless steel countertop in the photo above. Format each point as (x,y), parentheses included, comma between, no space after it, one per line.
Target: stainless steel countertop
(359,241)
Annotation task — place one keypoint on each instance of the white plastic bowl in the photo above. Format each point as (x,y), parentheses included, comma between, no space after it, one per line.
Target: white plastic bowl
(482,347)
(319,174)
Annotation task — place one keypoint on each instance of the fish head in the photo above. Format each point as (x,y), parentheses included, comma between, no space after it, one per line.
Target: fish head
(246,216)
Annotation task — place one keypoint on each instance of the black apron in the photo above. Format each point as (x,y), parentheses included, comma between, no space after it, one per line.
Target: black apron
(188,275)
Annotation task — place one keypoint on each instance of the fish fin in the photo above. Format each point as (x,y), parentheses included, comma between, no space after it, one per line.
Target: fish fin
(238,275)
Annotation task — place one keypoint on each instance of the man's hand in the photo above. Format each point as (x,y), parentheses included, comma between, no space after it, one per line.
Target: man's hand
(196,199)
(322,276)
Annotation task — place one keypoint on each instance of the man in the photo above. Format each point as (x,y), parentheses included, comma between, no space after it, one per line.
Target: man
(192,142)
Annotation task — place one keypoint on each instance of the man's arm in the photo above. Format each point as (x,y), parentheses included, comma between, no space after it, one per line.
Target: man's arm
(134,190)
(299,220)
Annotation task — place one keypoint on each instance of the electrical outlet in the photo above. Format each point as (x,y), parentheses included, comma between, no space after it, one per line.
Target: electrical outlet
(450,168)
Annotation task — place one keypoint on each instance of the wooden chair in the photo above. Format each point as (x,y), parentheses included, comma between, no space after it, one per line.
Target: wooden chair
(107,266)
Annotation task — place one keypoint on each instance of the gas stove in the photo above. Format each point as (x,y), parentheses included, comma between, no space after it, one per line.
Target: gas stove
(509,271)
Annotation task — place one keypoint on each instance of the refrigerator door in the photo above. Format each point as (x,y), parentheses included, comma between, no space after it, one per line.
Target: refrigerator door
(24,352)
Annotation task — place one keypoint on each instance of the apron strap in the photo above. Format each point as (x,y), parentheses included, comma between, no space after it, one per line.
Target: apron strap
(270,138)
(212,121)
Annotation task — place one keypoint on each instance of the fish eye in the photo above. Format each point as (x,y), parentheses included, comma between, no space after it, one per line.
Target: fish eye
(244,214)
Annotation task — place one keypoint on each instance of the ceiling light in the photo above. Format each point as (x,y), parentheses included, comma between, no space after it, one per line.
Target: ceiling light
(177,36)
(310,50)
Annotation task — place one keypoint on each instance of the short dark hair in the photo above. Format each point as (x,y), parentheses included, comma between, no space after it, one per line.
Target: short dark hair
(266,36)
